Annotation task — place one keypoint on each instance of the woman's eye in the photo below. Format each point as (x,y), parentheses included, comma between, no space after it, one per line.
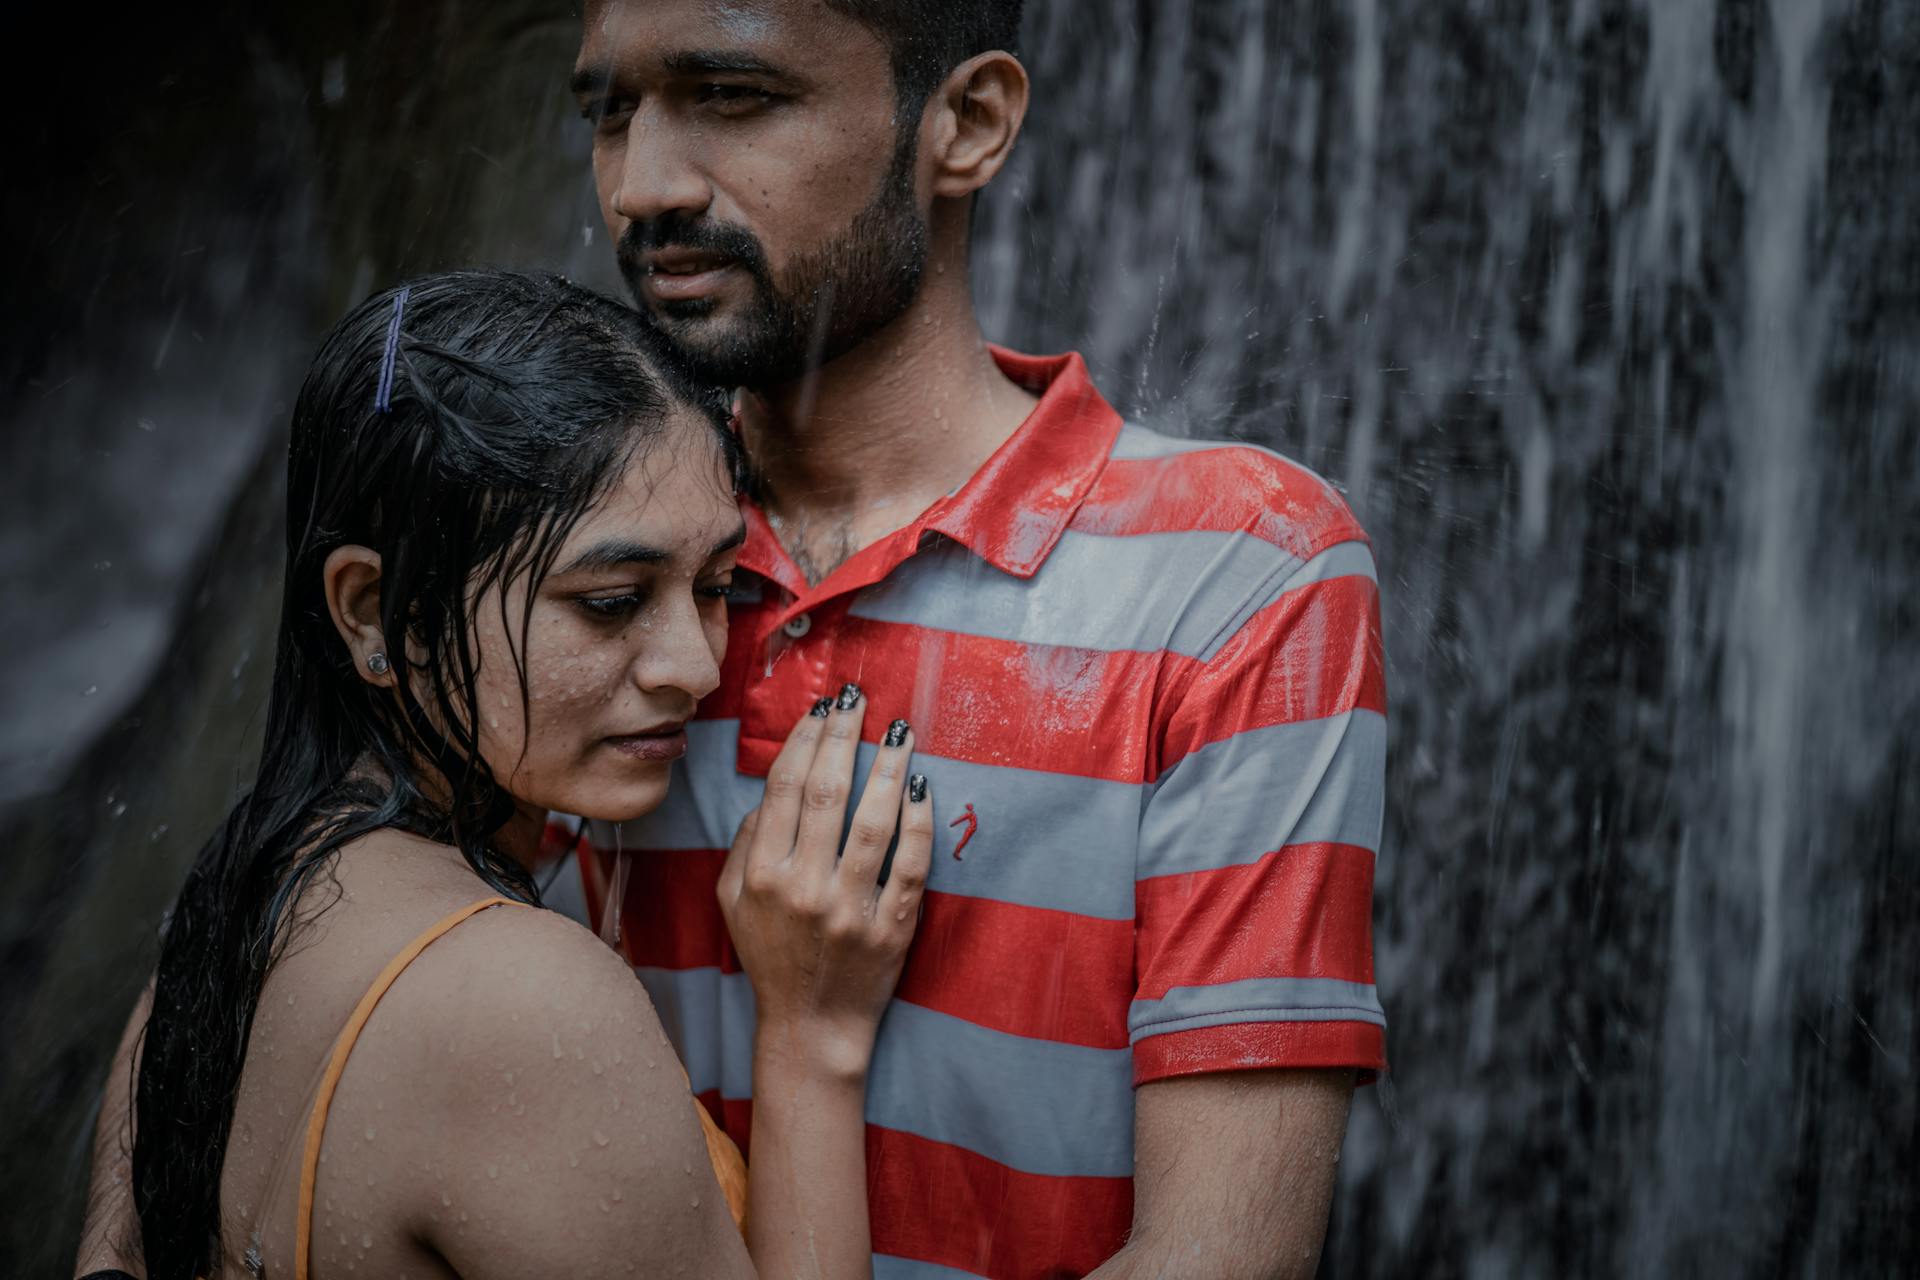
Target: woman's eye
(610,606)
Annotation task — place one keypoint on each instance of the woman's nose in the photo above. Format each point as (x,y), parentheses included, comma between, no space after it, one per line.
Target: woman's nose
(677,653)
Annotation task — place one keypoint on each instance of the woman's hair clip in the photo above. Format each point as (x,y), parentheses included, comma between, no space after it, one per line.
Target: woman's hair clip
(383,398)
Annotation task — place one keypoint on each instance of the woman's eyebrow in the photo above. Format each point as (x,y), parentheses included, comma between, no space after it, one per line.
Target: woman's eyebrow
(614,553)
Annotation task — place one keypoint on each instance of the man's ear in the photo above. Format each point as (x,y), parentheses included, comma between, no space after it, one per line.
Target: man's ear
(351,580)
(977,114)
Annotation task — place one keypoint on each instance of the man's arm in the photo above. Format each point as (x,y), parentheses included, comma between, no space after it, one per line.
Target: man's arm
(1233,1173)
(110,1235)
(1254,1012)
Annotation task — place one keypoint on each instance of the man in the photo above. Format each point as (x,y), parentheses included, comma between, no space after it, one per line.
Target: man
(1144,675)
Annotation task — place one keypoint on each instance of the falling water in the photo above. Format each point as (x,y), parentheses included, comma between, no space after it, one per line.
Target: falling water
(1604,313)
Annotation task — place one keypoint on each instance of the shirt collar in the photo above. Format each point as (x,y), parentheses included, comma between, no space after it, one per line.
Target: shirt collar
(1013,510)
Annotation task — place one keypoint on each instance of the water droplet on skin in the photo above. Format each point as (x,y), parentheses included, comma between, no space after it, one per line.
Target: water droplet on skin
(493,1171)
(600,1139)
(446,1199)
(696,1202)
(557,1054)
(369,1133)
(366,1240)
(616,1195)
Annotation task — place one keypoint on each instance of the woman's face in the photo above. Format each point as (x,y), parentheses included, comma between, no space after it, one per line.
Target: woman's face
(625,637)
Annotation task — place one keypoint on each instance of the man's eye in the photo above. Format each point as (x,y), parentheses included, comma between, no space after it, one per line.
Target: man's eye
(605,113)
(734,95)
(718,590)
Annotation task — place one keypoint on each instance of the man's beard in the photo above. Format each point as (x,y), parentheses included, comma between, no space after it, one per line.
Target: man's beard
(833,297)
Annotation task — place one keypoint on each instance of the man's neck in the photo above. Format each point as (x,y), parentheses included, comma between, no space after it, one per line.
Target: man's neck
(873,438)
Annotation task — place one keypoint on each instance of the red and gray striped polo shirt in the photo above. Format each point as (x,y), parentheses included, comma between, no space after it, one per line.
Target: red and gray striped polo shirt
(1145,677)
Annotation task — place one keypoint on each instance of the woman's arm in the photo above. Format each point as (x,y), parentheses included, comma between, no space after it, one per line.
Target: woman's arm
(110,1234)
(555,1131)
(823,943)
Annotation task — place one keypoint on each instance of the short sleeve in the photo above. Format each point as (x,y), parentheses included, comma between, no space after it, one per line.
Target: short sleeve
(1254,889)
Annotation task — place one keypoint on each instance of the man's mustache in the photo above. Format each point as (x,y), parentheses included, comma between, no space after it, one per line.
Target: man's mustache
(700,235)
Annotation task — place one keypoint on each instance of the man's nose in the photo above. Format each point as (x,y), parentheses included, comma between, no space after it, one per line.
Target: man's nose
(677,654)
(657,178)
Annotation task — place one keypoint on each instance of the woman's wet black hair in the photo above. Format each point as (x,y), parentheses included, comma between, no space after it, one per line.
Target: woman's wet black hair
(517,401)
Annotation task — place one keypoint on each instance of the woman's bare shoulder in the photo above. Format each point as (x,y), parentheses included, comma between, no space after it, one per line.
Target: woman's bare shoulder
(531,1065)
(523,983)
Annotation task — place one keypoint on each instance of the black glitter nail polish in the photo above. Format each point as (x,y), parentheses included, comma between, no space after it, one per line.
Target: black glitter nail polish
(917,788)
(821,708)
(896,734)
(849,697)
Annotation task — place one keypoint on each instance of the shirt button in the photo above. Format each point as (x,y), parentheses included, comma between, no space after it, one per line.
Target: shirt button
(798,625)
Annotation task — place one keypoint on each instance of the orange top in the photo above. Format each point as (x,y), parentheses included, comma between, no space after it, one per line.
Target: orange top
(728,1166)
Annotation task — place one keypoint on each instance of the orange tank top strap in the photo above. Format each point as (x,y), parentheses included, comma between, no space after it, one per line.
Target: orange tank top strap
(342,1050)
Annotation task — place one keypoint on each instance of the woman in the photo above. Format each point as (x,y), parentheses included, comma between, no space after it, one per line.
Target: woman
(511,528)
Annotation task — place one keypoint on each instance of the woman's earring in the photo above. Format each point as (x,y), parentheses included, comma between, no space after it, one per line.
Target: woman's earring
(378,663)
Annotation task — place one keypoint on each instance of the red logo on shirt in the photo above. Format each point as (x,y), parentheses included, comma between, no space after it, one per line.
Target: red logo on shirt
(973,824)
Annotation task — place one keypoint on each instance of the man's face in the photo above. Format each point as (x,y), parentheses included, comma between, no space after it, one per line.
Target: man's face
(754,177)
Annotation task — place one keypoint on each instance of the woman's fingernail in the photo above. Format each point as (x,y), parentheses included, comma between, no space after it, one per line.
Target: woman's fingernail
(821,708)
(849,697)
(917,788)
(896,734)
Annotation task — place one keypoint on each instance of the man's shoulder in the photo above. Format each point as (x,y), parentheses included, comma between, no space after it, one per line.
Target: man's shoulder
(1158,483)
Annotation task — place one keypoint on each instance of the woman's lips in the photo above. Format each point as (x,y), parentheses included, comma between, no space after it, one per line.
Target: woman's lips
(670,745)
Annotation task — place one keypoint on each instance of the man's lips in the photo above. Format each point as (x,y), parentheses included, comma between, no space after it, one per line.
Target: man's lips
(677,275)
(668,742)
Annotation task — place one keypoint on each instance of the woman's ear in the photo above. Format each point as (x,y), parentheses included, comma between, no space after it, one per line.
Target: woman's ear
(978,112)
(351,580)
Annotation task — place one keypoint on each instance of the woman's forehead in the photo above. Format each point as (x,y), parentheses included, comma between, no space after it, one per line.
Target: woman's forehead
(675,494)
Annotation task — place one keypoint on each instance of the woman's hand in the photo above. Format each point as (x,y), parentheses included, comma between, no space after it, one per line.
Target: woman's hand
(821,939)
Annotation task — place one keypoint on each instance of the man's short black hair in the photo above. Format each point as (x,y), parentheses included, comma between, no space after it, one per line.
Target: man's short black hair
(928,38)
